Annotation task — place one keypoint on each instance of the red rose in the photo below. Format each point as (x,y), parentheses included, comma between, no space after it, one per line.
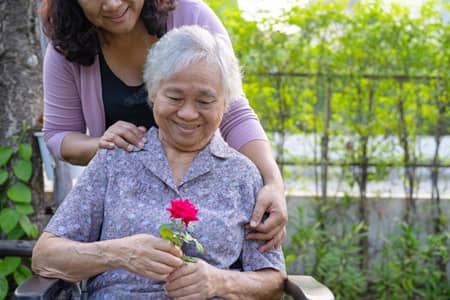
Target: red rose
(183,209)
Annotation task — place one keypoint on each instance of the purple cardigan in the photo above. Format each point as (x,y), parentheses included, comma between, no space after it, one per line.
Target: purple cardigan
(73,93)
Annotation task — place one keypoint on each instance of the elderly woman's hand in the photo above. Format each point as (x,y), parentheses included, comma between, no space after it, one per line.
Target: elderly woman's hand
(193,281)
(149,256)
(123,135)
(270,199)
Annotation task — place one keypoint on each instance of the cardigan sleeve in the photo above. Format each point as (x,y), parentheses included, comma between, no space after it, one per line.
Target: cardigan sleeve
(62,104)
(240,124)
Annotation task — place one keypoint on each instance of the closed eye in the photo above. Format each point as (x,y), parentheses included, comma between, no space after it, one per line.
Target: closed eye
(206,101)
(175,98)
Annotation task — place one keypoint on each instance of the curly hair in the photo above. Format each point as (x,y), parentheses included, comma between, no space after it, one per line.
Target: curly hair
(75,37)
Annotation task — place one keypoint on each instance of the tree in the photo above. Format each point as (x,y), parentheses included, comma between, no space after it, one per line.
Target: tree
(21,86)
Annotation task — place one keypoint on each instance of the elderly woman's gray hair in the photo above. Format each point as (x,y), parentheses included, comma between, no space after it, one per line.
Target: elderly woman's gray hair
(181,47)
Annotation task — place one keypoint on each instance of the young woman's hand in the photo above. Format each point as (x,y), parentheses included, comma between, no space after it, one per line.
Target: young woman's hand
(124,135)
(270,200)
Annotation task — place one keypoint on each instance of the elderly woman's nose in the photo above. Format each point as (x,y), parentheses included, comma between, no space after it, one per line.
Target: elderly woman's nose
(188,111)
(111,4)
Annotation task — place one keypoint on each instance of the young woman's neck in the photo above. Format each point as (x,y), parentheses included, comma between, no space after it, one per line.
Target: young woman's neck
(137,37)
(125,53)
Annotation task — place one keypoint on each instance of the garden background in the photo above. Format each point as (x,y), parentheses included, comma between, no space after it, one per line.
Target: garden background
(355,98)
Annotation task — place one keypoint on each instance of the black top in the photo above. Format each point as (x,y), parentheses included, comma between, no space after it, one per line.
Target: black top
(123,102)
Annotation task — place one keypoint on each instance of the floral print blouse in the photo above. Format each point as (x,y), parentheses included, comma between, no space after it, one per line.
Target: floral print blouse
(125,193)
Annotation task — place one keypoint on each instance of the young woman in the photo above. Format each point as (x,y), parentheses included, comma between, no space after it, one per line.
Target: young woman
(94,96)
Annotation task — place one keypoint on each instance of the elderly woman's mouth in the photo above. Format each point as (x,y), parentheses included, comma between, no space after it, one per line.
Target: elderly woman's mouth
(187,128)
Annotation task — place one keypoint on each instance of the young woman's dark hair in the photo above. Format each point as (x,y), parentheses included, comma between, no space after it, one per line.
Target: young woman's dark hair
(76,38)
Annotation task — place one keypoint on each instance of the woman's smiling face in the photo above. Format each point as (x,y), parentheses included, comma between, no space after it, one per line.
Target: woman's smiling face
(189,106)
(113,16)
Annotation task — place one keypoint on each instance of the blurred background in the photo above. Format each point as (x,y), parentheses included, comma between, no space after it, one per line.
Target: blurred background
(355,98)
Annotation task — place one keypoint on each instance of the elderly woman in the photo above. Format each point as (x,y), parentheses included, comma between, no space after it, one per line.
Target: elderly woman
(122,196)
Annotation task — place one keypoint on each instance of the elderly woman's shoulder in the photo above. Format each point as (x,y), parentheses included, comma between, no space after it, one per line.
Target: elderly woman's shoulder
(116,154)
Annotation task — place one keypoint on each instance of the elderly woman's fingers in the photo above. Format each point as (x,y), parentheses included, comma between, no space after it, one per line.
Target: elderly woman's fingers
(150,256)
(158,268)
(153,266)
(182,271)
(166,246)
(181,281)
(192,281)
(188,292)
(196,296)
(142,129)
(167,259)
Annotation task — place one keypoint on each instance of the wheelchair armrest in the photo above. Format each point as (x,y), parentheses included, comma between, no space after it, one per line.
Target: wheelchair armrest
(40,288)
(306,288)
(16,248)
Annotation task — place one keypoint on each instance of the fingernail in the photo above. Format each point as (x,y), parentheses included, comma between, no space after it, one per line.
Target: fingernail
(141,145)
(130,147)
(253,223)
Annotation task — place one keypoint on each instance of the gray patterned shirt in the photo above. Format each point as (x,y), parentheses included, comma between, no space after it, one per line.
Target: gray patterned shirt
(121,194)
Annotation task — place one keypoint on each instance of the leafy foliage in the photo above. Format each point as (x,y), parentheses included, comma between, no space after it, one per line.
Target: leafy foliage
(15,207)
(331,257)
(410,266)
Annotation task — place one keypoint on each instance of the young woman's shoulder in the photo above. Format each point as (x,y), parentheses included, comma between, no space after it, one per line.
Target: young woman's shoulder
(191,4)
(195,12)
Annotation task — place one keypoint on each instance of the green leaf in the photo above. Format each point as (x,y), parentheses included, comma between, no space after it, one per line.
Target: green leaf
(166,233)
(30,229)
(5,155)
(3,176)
(3,287)
(25,151)
(24,209)
(8,219)
(22,169)
(9,265)
(19,192)
(189,238)
(199,246)
(21,274)
(16,234)
(189,259)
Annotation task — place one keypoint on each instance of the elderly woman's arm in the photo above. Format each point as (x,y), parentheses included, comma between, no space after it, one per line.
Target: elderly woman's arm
(142,254)
(202,281)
